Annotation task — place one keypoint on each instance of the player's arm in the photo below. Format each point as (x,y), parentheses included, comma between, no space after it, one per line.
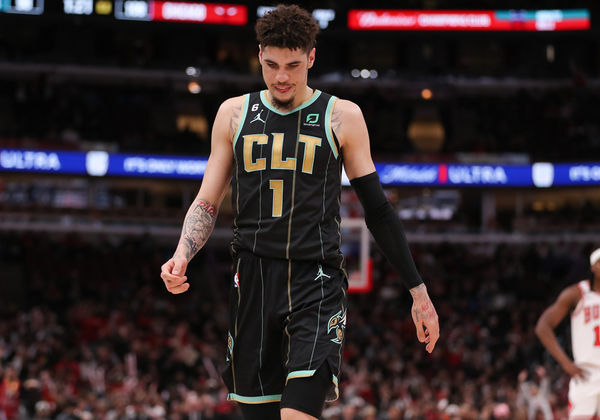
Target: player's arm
(202,213)
(383,222)
(548,321)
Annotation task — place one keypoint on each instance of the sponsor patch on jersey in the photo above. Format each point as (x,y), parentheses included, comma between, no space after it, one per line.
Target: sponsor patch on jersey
(312,120)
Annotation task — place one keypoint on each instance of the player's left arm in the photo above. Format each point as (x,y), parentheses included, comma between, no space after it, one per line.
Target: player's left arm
(349,126)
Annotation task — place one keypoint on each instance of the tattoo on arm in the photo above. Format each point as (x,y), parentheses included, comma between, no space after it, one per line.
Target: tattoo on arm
(234,121)
(197,227)
(336,120)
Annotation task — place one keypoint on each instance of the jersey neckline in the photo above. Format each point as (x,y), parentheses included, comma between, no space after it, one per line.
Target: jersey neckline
(265,101)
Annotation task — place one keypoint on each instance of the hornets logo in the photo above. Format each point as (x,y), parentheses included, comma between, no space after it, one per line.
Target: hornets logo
(337,324)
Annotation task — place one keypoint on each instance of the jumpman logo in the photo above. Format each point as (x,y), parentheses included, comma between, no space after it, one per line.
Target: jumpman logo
(257,118)
(321,274)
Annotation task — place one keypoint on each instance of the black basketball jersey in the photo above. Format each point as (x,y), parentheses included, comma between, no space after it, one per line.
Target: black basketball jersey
(287,181)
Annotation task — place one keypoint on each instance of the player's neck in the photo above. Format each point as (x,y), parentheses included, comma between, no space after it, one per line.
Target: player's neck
(595,284)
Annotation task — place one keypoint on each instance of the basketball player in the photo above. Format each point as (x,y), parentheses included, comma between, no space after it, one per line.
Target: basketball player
(583,299)
(285,146)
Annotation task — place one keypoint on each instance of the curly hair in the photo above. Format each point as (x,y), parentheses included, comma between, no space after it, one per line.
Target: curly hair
(287,26)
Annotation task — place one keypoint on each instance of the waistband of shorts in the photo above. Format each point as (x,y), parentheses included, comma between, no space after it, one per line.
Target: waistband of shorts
(244,253)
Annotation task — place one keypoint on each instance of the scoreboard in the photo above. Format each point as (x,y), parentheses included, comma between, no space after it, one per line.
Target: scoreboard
(141,10)
(363,20)
(25,7)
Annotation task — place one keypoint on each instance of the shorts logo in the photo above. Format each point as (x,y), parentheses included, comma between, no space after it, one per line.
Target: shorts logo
(321,274)
(236,280)
(229,345)
(337,323)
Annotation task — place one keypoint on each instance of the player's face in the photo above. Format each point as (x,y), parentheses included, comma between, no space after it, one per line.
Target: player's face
(286,73)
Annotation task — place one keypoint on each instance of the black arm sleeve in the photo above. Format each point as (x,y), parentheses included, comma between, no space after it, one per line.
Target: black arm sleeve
(386,227)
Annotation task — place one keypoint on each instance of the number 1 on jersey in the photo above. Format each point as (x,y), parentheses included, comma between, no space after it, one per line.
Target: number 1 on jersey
(277,186)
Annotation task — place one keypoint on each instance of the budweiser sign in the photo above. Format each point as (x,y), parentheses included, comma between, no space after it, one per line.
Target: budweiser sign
(415,20)
(469,20)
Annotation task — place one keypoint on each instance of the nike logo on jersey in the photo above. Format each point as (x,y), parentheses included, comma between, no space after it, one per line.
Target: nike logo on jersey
(258,118)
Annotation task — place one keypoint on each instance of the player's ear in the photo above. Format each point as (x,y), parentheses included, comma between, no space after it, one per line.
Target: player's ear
(311,57)
(260,53)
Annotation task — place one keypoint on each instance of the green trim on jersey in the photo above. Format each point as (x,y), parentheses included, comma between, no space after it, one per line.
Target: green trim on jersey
(243,119)
(328,130)
(266,103)
(263,399)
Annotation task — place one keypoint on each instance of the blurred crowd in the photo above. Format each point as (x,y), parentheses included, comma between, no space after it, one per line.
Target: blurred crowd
(552,125)
(87,331)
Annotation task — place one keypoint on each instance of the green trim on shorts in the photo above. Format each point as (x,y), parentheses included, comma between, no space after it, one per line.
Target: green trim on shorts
(334,379)
(300,374)
(263,399)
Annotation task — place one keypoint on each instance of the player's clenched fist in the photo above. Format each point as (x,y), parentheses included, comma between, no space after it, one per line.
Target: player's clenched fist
(173,275)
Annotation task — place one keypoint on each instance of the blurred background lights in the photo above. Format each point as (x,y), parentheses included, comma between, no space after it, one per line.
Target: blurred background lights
(192,71)
(550,54)
(194,87)
(426,94)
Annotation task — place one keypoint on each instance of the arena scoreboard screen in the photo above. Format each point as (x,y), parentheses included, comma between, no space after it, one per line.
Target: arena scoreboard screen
(25,7)
(363,19)
(140,10)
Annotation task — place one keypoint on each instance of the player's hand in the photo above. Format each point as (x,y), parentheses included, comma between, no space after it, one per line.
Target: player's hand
(575,371)
(173,274)
(425,317)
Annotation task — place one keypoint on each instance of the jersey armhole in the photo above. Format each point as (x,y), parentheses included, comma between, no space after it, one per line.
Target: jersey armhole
(578,307)
(333,143)
(583,287)
(242,119)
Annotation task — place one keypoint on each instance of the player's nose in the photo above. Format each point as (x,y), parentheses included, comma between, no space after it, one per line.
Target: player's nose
(282,77)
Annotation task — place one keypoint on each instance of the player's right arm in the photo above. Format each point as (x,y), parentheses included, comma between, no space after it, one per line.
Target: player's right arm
(202,214)
(548,321)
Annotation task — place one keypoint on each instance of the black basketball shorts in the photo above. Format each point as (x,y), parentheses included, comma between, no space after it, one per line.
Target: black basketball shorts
(287,318)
